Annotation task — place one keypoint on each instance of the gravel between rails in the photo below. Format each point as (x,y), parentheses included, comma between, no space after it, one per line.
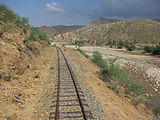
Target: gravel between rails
(68,103)
(94,106)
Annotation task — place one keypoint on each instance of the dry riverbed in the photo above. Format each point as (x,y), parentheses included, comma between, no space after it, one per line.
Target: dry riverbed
(144,68)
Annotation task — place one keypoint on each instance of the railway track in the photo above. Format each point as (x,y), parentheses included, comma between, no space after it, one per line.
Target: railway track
(69,102)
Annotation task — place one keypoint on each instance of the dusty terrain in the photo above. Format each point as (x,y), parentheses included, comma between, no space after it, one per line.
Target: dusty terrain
(26,97)
(144,68)
(114,107)
(27,72)
(27,80)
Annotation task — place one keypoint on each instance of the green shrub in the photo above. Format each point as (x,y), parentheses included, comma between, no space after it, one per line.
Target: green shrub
(149,49)
(134,89)
(81,51)
(36,35)
(156,51)
(79,43)
(51,68)
(154,104)
(112,72)
(37,76)
(130,46)
(121,44)
(43,36)
(115,73)
(140,47)
(111,43)
(115,77)
(98,59)
(63,45)
(8,15)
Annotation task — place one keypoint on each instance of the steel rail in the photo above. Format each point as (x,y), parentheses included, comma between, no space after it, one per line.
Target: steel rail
(73,79)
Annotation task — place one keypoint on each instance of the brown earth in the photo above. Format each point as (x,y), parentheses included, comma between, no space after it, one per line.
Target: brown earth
(114,106)
(27,72)
(24,97)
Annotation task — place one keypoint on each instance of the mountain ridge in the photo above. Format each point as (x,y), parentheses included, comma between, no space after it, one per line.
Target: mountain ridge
(156,19)
(143,31)
(58,29)
(103,21)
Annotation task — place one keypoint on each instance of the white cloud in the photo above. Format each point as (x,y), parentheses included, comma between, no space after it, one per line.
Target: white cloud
(54,7)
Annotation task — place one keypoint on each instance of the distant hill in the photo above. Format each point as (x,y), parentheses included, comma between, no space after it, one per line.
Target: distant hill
(157,19)
(59,28)
(104,21)
(136,31)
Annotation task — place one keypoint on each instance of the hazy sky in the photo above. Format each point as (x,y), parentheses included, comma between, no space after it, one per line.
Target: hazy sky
(71,12)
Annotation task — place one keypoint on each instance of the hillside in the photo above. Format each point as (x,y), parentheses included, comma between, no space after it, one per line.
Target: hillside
(20,62)
(136,31)
(59,29)
(157,19)
(29,70)
(103,21)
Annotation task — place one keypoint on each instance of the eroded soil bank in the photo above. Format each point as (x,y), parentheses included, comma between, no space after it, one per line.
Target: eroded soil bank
(27,96)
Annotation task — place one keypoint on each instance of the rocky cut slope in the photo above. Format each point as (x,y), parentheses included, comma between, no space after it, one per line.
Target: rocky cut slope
(135,31)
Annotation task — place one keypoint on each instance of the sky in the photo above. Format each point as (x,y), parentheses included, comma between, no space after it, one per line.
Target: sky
(80,12)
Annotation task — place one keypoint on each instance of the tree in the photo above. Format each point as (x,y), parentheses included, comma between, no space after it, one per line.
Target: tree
(8,15)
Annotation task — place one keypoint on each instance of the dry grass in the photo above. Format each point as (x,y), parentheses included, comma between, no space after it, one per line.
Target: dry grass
(135,31)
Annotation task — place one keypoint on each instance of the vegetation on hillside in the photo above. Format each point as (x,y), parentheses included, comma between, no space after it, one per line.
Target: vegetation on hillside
(133,31)
(122,44)
(8,17)
(120,81)
(37,35)
(59,29)
(116,76)
(79,43)
(82,52)
(154,50)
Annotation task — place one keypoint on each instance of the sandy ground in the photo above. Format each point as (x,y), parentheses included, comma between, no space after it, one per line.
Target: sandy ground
(114,106)
(26,97)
